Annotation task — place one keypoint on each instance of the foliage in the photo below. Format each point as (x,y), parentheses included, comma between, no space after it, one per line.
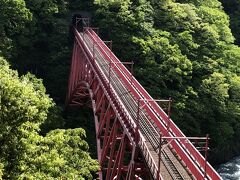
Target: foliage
(60,154)
(182,49)
(13,17)
(232,8)
(84,5)
(21,101)
(39,40)
(24,153)
(1,171)
(34,37)
(54,120)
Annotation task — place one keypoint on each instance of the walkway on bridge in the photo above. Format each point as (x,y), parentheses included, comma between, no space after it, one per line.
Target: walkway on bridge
(134,135)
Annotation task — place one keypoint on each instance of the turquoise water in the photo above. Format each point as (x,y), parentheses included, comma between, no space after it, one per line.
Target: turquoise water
(230,170)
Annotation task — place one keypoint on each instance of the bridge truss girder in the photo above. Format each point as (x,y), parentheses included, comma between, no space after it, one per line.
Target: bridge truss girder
(118,153)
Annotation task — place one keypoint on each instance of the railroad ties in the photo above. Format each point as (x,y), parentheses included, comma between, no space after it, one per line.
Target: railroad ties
(171,166)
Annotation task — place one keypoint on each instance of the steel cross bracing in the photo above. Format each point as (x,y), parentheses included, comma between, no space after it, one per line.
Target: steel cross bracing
(129,123)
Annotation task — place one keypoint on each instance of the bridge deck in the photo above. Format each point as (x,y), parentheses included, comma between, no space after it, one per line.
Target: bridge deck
(171,166)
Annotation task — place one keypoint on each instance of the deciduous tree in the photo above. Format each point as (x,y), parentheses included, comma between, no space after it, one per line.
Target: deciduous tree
(24,152)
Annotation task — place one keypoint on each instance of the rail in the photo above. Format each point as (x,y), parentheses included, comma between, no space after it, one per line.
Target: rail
(147,154)
(186,151)
(169,164)
(149,159)
(132,106)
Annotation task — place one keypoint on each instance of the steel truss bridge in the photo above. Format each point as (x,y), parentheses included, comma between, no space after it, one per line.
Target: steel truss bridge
(135,138)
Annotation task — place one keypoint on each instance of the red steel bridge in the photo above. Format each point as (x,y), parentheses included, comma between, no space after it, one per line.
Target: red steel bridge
(135,138)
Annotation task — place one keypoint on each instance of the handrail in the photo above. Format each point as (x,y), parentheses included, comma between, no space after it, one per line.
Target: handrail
(142,139)
(185,150)
(144,148)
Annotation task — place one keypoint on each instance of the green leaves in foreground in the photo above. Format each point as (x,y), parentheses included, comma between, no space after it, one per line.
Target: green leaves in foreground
(24,153)
(1,171)
(61,154)
(13,17)
(21,100)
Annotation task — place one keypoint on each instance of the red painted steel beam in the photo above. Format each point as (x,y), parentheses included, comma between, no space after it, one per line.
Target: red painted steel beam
(97,71)
(187,152)
(87,76)
(88,72)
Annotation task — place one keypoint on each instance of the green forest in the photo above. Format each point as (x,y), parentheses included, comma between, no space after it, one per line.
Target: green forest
(188,50)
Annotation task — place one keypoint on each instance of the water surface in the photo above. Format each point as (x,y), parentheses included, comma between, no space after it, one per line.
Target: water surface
(230,170)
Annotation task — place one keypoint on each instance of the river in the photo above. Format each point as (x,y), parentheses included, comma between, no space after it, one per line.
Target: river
(230,170)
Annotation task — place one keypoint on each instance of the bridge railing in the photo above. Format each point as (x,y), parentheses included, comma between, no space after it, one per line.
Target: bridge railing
(149,159)
(188,153)
(103,78)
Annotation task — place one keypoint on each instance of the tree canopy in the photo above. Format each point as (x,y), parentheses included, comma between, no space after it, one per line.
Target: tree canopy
(186,49)
(183,49)
(24,153)
(14,16)
(232,8)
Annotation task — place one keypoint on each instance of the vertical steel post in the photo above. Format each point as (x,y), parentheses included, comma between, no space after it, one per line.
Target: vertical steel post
(109,75)
(206,155)
(84,34)
(132,73)
(112,153)
(88,22)
(159,157)
(121,157)
(131,164)
(132,67)
(110,45)
(76,22)
(94,53)
(110,145)
(169,112)
(138,117)
(97,29)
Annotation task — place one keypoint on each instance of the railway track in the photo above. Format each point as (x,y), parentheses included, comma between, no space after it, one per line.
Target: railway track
(170,165)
